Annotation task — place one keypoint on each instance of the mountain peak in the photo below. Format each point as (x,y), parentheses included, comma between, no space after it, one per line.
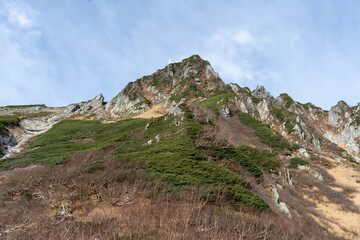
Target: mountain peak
(192,78)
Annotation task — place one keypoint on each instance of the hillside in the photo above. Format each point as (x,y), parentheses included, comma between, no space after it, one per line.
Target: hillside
(179,154)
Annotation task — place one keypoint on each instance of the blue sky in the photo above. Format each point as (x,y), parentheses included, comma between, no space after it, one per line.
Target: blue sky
(59,52)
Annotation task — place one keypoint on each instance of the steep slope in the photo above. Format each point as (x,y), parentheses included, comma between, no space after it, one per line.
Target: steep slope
(238,163)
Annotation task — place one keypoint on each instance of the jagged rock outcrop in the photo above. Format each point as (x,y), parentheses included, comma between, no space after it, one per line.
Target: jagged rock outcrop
(281,205)
(285,176)
(88,106)
(225,111)
(260,92)
(193,78)
(7,140)
(337,114)
(345,130)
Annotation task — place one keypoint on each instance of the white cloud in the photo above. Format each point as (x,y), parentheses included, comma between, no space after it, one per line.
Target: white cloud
(231,37)
(236,54)
(20,19)
(20,14)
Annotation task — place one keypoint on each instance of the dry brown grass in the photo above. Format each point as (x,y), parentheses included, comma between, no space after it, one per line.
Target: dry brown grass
(118,201)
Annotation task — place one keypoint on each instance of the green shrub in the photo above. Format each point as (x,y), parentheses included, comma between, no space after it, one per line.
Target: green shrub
(295,162)
(217,100)
(346,155)
(288,99)
(6,120)
(255,100)
(242,195)
(251,159)
(265,133)
(290,124)
(147,101)
(191,91)
(279,113)
(308,105)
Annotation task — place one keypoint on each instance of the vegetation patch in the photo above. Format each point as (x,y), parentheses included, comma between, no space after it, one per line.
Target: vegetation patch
(295,162)
(290,124)
(255,100)
(175,159)
(217,100)
(346,155)
(289,101)
(25,106)
(60,142)
(308,105)
(265,133)
(283,115)
(251,159)
(279,113)
(6,120)
(147,101)
(33,115)
(191,91)
(355,119)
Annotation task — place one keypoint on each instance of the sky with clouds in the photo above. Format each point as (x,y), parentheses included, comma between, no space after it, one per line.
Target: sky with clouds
(59,52)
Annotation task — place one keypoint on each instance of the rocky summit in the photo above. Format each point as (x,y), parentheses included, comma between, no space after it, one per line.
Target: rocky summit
(179,154)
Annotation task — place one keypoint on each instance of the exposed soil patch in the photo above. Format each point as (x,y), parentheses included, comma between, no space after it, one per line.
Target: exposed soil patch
(238,133)
(155,111)
(332,215)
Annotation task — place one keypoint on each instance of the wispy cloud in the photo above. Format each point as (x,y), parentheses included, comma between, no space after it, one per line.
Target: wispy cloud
(233,53)
(20,14)
(22,69)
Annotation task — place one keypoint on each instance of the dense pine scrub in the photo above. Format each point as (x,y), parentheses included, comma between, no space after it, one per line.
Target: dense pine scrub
(253,160)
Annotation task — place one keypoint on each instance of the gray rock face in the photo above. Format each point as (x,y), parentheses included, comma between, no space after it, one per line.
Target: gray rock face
(318,176)
(336,114)
(121,105)
(72,108)
(173,108)
(260,92)
(88,106)
(303,168)
(303,153)
(7,140)
(346,131)
(263,111)
(279,101)
(281,205)
(285,176)
(225,112)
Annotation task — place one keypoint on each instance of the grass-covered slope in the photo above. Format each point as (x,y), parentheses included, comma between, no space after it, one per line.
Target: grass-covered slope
(265,133)
(175,159)
(8,120)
